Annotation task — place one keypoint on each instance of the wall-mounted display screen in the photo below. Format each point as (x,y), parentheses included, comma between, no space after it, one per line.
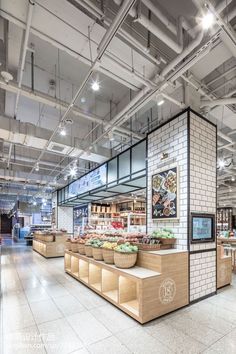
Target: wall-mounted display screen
(203,228)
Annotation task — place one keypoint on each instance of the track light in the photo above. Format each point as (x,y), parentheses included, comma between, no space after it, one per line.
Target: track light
(233,179)
(43,200)
(34,202)
(37,167)
(207,20)
(221,164)
(73,172)
(160,100)
(63,132)
(95,86)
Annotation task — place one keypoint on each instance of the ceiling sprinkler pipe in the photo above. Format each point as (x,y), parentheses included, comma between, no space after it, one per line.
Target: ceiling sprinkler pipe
(220,102)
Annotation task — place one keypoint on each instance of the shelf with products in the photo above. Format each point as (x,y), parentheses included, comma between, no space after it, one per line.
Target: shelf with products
(224,219)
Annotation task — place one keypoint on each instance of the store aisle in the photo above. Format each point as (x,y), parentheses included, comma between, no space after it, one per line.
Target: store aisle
(46,311)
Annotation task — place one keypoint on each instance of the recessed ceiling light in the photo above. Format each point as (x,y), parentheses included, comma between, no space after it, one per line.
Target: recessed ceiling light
(207,20)
(160,100)
(95,86)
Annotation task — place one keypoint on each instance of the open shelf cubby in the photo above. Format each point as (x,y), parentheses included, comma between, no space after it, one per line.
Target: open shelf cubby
(67,260)
(95,276)
(128,294)
(110,284)
(83,270)
(75,266)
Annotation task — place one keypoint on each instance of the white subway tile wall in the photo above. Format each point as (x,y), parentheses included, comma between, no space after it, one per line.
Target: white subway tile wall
(171,139)
(65,218)
(202,274)
(202,200)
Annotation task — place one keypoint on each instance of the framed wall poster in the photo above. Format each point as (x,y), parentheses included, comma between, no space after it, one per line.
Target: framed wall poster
(165,199)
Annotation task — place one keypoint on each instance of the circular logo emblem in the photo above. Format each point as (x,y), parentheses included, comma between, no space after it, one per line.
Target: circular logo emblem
(167,291)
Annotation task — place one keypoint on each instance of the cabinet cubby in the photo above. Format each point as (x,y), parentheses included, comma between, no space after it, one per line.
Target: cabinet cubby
(95,276)
(110,284)
(83,270)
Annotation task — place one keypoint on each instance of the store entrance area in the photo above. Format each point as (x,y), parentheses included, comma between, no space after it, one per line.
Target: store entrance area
(46,311)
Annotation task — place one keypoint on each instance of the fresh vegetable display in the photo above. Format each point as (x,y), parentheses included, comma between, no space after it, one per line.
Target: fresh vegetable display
(163,233)
(109,245)
(97,243)
(126,248)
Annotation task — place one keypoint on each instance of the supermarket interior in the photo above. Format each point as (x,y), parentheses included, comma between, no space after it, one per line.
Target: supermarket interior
(117,176)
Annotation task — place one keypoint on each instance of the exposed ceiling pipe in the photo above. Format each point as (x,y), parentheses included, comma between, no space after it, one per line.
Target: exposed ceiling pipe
(154,29)
(88,5)
(165,20)
(9,156)
(221,86)
(229,33)
(173,100)
(58,104)
(23,57)
(226,147)
(71,52)
(24,51)
(146,95)
(220,102)
(225,137)
(106,40)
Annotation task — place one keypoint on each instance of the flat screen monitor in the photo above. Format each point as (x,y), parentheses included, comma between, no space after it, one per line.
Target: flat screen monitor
(203,228)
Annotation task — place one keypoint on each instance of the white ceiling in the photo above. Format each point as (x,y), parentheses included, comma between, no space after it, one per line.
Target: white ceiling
(63,51)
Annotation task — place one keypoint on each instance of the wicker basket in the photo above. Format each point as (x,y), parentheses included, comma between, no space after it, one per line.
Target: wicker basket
(74,247)
(88,251)
(68,246)
(97,253)
(81,248)
(125,260)
(108,255)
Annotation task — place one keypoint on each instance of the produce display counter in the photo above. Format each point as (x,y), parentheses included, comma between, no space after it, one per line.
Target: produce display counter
(224,268)
(156,286)
(49,245)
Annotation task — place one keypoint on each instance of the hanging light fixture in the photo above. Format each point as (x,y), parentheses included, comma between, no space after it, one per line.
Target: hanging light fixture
(36,167)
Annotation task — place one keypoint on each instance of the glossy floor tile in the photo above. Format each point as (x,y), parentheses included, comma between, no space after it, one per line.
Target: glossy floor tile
(44,310)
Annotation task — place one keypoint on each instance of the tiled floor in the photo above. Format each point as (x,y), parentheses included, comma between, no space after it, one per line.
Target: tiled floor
(46,311)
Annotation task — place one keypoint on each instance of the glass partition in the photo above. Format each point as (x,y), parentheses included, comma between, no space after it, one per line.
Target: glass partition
(138,157)
(124,164)
(112,170)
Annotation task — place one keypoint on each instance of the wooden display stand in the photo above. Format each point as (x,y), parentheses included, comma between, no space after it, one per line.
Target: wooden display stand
(224,268)
(50,249)
(158,285)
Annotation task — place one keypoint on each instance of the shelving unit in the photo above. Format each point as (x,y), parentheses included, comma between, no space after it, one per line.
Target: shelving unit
(138,290)
(51,249)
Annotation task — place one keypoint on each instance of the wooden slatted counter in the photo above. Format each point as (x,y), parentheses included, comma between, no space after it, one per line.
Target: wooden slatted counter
(156,286)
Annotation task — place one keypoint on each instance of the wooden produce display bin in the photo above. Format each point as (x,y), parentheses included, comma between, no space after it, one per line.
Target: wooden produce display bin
(224,268)
(156,286)
(49,245)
